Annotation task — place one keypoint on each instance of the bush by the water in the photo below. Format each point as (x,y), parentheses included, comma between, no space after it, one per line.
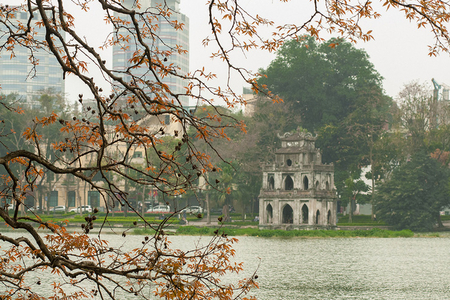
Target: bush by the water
(375,232)
(360,220)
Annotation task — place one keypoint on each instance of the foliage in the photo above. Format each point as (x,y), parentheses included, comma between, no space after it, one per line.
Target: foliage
(323,83)
(237,179)
(414,195)
(416,109)
(375,232)
(95,147)
(360,220)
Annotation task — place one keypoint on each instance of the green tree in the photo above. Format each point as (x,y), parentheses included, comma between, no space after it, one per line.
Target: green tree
(13,121)
(352,189)
(320,82)
(414,195)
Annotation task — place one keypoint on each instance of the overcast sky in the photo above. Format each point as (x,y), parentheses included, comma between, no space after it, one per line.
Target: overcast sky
(399,51)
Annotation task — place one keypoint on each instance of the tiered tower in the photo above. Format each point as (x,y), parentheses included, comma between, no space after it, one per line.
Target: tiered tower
(298,189)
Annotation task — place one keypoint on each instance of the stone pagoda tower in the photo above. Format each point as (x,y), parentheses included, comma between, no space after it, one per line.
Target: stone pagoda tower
(298,189)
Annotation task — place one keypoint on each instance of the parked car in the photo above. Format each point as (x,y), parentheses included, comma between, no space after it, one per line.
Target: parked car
(193,210)
(84,208)
(33,208)
(59,208)
(159,208)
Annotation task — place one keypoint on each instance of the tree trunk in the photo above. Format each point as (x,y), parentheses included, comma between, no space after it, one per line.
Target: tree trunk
(439,221)
(143,202)
(226,213)
(143,208)
(350,211)
(252,211)
(40,201)
(373,180)
(208,212)
(125,201)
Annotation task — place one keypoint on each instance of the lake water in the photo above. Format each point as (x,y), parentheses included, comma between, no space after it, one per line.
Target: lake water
(356,268)
(338,268)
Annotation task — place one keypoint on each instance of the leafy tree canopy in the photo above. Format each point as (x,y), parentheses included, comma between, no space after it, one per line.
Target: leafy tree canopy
(414,195)
(321,82)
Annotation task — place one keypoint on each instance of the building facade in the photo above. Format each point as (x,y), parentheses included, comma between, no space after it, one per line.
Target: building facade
(167,39)
(17,74)
(298,189)
(71,192)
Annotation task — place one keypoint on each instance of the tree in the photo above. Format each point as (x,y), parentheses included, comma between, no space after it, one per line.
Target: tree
(86,149)
(352,189)
(416,115)
(323,83)
(414,195)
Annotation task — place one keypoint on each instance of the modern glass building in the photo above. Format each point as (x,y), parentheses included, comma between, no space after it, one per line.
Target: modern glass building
(167,38)
(16,70)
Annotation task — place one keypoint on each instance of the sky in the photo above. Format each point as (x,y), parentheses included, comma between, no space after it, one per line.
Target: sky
(399,50)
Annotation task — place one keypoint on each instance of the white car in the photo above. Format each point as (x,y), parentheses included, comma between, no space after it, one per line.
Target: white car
(84,208)
(33,208)
(193,210)
(59,208)
(159,208)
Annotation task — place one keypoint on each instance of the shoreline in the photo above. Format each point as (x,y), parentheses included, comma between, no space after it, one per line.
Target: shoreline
(196,228)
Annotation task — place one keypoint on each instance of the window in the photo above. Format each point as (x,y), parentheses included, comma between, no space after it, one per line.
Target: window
(94,198)
(305,212)
(71,199)
(269,214)
(288,183)
(50,176)
(288,215)
(29,201)
(305,183)
(271,182)
(137,154)
(53,201)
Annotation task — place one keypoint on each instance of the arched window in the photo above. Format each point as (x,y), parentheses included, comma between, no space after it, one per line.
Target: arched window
(289,162)
(305,183)
(288,215)
(288,183)
(317,217)
(271,183)
(269,214)
(305,213)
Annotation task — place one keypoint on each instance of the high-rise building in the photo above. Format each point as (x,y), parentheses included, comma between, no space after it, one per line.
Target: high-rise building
(167,38)
(16,71)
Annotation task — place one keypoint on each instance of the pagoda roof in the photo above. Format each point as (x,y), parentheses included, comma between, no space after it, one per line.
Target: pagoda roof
(297,136)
